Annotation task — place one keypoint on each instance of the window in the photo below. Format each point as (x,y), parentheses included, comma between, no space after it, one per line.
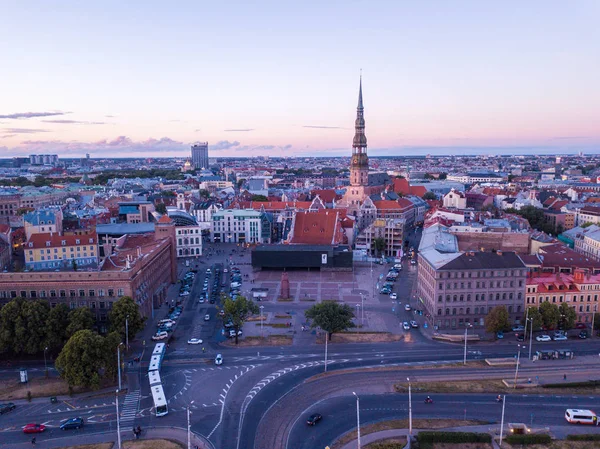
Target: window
(111,292)
(72,305)
(101,292)
(102,305)
(72,293)
(33,294)
(42,293)
(92,293)
(81,293)
(120,292)
(23,294)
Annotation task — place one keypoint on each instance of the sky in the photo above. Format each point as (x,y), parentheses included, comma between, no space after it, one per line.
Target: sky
(278,78)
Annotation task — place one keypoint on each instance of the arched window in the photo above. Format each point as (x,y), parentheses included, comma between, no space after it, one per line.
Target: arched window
(510,296)
(477,297)
(519,295)
(497,296)
(509,309)
(518,308)
(454,298)
(462,298)
(439,311)
(468,310)
(447,311)
(453,311)
(476,311)
(468,297)
(448,298)
(461,311)
(440,297)
(503,295)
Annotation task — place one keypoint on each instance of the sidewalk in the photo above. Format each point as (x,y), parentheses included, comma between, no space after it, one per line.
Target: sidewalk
(171,433)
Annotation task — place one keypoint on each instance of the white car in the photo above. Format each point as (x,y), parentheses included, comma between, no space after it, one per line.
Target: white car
(160,336)
(414,324)
(393,296)
(232,333)
(195,341)
(543,338)
(219,359)
(560,337)
(407,307)
(406,326)
(225,270)
(207,317)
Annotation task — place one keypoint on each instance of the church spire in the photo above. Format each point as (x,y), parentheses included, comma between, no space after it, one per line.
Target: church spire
(360,103)
(359,165)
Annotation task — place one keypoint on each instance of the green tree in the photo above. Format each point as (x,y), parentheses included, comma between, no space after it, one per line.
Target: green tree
(82,358)
(568,316)
(56,327)
(497,320)
(330,316)
(239,311)
(80,318)
(35,317)
(379,245)
(536,318)
(126,309)
(161,208)
(204,193)
(596,322)
(442,176)
(550,315)
(259,198)
(587,224)
(429,196)
(11,325)
(111,342)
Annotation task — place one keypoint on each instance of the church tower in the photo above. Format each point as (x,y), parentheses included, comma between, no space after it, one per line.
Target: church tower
(359,165)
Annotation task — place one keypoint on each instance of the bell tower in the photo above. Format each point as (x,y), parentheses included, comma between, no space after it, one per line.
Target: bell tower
(359,165)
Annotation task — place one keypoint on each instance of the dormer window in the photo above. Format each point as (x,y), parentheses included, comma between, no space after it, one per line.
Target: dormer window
(47,243)
(31,245)
(63,242)
(91,240)
(77,242)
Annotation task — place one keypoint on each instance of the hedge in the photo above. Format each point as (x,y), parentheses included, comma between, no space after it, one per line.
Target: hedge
(540,438)
(584,437)
(453,437)
(587,384)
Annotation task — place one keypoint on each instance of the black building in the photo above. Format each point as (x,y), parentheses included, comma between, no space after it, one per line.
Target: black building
(324,257)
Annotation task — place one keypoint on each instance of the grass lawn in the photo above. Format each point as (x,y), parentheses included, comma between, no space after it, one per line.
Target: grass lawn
(151,444)
(92,446)
(559,444)
(39,387)
(487,386)
(271,340)
(390,443)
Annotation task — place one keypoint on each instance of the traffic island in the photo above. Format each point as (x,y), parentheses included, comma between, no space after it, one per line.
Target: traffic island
(360,337)
(270,340)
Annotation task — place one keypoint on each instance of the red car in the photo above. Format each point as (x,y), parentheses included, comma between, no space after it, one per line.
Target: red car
(34,428)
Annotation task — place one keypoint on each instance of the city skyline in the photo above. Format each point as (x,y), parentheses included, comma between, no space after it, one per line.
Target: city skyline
(280,80)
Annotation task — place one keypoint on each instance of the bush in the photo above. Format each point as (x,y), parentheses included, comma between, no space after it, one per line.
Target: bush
(587,384)
(541,438)
(453,437)
(584,437)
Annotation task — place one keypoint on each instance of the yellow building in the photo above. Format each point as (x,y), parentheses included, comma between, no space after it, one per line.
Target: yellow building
(52,251)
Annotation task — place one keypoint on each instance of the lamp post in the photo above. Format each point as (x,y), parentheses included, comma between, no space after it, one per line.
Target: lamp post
(502,420)
(465,354)
(362,310)
(45,364)
(357,418)
(119,362)
(517,368)
(127,333)
(530,336)
(593,316)
(118,420)
(357,306)
(189,439)
(409,409)
(261,320)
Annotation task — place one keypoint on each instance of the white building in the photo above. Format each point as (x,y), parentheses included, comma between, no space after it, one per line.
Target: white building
(204,211)
(189,241)
(239,226)
(455,200)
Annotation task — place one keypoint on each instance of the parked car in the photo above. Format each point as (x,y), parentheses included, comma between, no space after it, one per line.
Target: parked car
(160,336)
(72,423)
(5,408)
(393,295)
(207,317)
(219,359)
(413,262)
(580,326)
(518,328)
(583,335)
(414,324)
(560,337)
(34,428)
(406,326)
(543,337)
(232,333)
(520,337)
(499,335)
(314,419)
(407,307)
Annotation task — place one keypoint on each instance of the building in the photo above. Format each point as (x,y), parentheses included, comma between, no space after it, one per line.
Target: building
(43,221)
(317,228)
(54,251)
(203,211)
(588,214)
(323,257)
(459,288)
(240,226)
(579,290)
(391,230)
(200,155)
(187,232)
(43,159)
(136,211)
(588,244)
(455,200)
(560,221)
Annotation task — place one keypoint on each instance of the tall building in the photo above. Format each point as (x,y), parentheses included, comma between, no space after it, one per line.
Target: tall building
(200,155)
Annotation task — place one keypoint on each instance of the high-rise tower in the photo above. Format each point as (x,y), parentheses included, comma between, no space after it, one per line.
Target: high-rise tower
(359,166)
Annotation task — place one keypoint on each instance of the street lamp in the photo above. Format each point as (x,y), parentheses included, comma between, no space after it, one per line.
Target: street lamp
(118,420)
(517,367)
(465,355)
(119,362)
(357,306)
(127,333)
(189,426)
(362,310)
(45,364)
(357,418)
(262,318)
(409,409)
(594,316)
(530,336)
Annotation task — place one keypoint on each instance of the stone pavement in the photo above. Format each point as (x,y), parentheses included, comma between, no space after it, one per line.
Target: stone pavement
(171,433)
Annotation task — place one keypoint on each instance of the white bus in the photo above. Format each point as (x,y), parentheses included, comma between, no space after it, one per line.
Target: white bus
(160,403)
(159,349)
(154,378)
(576,416)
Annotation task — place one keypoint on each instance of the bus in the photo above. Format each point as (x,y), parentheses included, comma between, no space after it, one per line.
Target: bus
(160,403)
(159,349)
(154,378)
(576,416)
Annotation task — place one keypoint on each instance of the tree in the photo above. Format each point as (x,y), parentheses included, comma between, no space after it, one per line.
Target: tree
(379,245)
(82,358)
(259,198)
(429,196)
(11,325)
(35,317)
(497,320)
(442,176)
(239,311)
(80,318)
(330,316)
(568,316)
(56,327)
(126,309)
(161,208)
(204,193)
(550,315)
(587,224)
(111,342)
(596,322)
(536,318)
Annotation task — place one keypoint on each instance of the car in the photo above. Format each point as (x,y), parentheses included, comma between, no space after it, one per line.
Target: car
(583,335)
(393,296)
(195,341)
(520,337)
(221,312)
(4,408)
(561,337)
(500,335)
(208,271)
(160,336)
(212,300)
(229,324)
(406,326)
(518,328)
(225,270)
(219,359)
(580,326)
(313,419)
(201,300)
(407,307)
(34,428)
(72,423)
(413,262)
(414,324)
(232,333)
(543,337)
(207,317)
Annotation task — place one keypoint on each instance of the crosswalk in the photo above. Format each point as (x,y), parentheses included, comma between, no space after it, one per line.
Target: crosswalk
(130,407)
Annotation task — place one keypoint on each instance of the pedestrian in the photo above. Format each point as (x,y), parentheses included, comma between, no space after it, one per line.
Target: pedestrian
(564,377)
(33,441)
(203,349)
